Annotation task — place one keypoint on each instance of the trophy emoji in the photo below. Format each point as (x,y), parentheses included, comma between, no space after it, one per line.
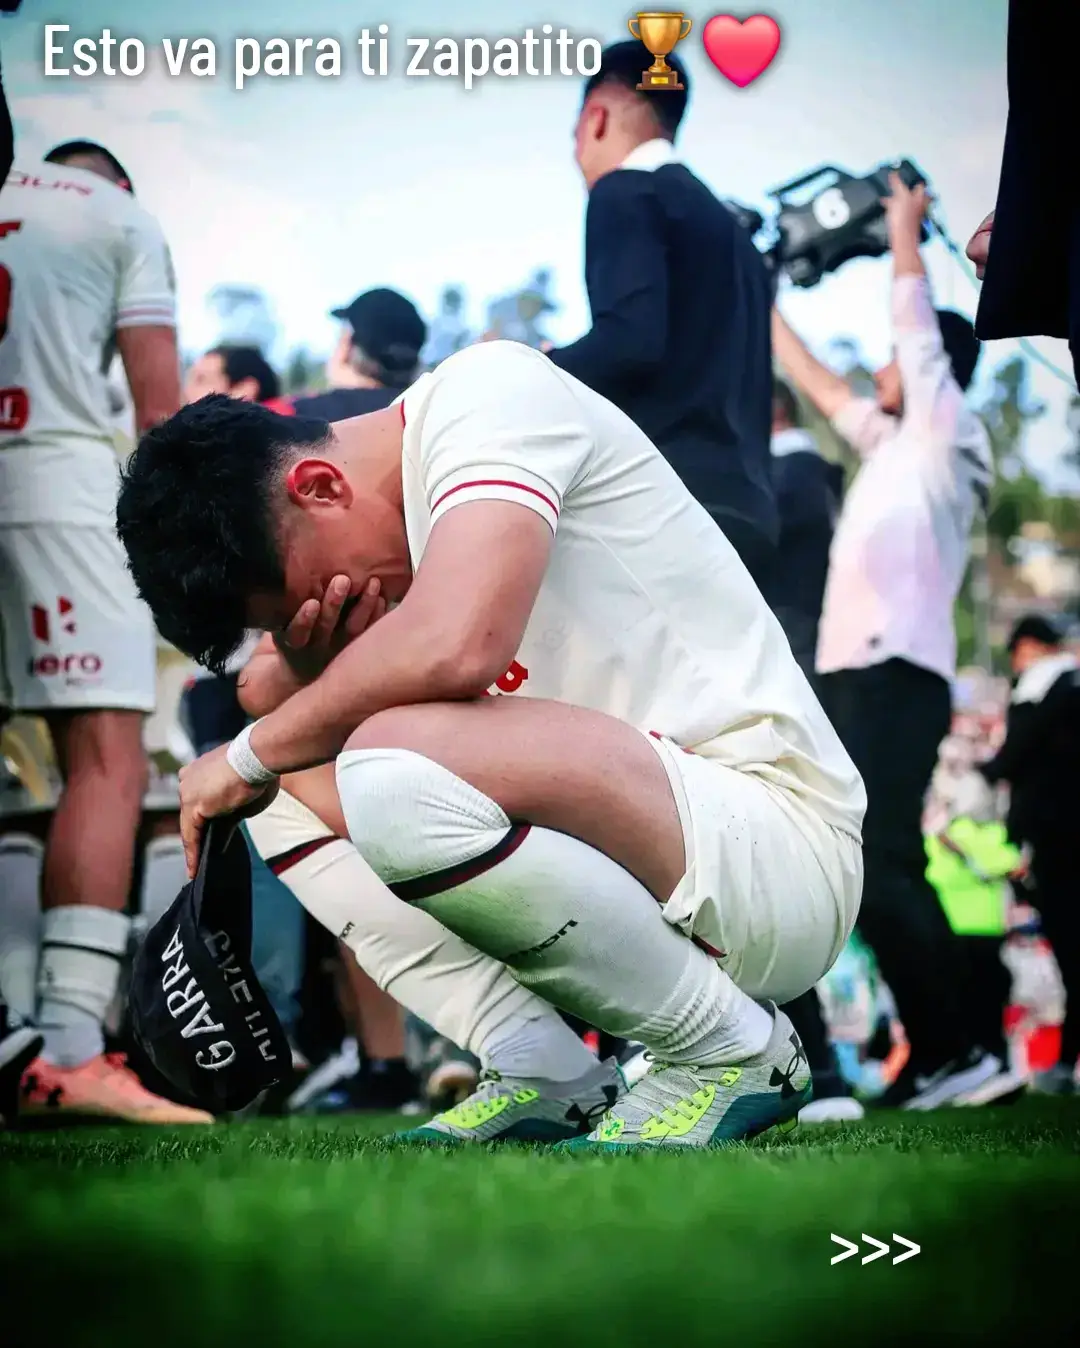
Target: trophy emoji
(660,33)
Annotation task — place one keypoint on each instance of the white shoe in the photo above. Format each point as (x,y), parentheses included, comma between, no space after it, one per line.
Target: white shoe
(504,1109)
(1003,1086)
(954,1080)
(338,1067)
(833,1109)
(688,1106)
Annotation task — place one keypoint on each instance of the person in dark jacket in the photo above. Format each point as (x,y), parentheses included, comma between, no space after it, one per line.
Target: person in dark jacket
(1028,249)
(808,493)
(1040,760)
(376,359)
(680,302)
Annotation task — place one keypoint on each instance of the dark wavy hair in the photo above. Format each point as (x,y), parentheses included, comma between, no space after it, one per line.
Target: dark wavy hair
(196,519)
(961,345)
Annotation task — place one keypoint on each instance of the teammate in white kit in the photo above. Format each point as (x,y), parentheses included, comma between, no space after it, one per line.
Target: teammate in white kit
(651,822)
(84,272)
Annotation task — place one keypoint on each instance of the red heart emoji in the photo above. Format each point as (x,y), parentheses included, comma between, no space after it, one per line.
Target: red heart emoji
(741,50)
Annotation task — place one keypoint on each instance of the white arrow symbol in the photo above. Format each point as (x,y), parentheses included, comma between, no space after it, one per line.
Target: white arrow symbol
(912,1249)
(881,1249)
(849,1249)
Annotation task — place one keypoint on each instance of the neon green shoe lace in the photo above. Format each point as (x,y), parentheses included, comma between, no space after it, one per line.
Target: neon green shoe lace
(681,1116)
(487,1102)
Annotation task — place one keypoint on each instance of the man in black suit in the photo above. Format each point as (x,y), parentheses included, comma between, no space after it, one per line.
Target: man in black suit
(808,493)
(680,301)
(1029,247)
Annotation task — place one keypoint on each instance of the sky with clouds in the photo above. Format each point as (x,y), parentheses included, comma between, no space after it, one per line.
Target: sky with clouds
(316,188)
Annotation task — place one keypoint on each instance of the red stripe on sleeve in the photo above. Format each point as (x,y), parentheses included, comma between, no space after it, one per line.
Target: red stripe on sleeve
(497,482)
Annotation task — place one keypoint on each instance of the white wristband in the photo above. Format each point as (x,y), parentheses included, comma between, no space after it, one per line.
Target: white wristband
(245,762)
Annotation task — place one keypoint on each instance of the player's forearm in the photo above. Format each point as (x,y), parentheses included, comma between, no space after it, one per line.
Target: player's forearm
(399,662)
(265,682)
(904,240)
(827,390)
(152,366)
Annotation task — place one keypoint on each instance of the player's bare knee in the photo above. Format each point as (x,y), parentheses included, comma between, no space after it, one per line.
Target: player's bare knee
(409,816)
(106,745)
(418,728)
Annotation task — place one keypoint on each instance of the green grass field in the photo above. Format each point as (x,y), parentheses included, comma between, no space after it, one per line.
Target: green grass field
(327,1233)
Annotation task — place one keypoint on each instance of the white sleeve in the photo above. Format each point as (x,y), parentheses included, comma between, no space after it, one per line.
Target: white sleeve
(863,425)
(146,294)
(932,397)
(502,425)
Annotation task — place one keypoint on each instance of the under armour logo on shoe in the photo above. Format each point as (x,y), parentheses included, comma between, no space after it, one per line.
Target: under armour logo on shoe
(587,1118)
(783,1079)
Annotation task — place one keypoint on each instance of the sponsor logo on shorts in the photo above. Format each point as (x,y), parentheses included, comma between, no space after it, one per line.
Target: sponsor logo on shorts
(14,406)
(40,621)
(76,667)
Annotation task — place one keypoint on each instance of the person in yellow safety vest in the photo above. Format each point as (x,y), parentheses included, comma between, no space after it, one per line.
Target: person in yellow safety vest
(970,862)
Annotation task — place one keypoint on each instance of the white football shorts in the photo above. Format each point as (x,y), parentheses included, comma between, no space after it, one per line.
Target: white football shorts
(771,890)
(74,635)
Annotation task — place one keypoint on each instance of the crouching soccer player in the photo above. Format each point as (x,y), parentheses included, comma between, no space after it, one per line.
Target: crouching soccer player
(650,822)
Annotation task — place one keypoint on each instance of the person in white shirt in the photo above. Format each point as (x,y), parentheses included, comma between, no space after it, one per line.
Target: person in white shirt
(84,272)
(886,651)
(580,741)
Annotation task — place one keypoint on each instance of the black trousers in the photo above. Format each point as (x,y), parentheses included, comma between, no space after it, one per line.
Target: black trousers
(891,718)
(1057,897)
(990,984)
(757,551)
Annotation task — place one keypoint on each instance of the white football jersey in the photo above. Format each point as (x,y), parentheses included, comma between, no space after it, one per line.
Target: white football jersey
(646,612)
(79,259)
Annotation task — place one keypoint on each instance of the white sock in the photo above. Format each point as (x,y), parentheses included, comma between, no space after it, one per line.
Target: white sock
(20,920)
(570,923)
(464,995)
(81,951)
(164,875)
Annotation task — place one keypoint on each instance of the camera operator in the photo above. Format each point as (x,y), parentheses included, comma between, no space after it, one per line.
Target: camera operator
(680,302)
(887,646)
(1038,760)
